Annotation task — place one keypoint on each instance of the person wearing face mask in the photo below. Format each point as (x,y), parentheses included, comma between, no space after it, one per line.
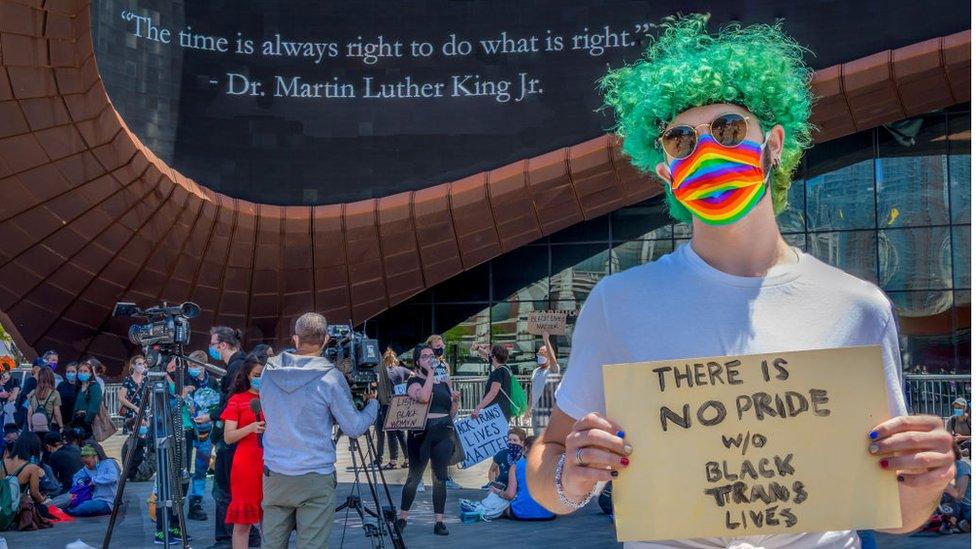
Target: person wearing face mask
(723,119)
(51,359)
(959,424)
(442,370)
(68,389)
(88,401)
(98,372)
(130,393)
(225,346)
(302,396)
(435,443)
(243,427)
(8,398)
(502,461)
(539,407)
(202,403)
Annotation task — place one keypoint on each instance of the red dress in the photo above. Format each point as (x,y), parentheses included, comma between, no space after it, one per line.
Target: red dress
(246,470)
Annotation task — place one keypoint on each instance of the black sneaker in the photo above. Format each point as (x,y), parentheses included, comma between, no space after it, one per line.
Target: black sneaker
(401,524)
(440,529)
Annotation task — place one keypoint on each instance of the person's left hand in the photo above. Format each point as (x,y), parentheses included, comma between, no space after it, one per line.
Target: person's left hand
(923,447)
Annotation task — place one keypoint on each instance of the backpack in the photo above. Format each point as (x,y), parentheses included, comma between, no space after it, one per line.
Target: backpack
(9,498)
(516,395)
(41,410)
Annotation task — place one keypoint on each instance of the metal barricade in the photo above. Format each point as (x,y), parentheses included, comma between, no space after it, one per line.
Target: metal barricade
(111,400)
(472,389)
(933,394)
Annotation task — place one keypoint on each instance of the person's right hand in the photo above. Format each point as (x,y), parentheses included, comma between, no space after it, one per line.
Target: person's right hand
(603,452)
(257,427)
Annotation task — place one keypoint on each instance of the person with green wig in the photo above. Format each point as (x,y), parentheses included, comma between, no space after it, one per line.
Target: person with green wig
(723,119)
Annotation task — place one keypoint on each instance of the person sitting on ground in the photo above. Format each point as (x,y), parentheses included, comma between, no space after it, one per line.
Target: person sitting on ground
(19,460)
(504,459)
(959,423)
(959,493)
(523,507)
(64,459)
(10,433)
(514,501)
(100,474)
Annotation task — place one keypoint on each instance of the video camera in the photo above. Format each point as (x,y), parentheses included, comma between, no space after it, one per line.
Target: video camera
(355,354)
(168,325)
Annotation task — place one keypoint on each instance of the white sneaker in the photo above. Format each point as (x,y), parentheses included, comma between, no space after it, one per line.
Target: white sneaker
(421,488)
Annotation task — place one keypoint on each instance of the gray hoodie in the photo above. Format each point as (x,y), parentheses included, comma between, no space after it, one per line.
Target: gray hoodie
(300,396)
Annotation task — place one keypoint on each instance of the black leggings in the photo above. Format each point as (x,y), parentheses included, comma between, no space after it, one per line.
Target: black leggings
(434,444)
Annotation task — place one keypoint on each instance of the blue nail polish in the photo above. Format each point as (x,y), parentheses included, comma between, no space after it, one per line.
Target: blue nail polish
(873,435)
(620,434)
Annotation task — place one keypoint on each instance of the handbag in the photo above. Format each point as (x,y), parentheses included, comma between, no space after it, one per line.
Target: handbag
(102,426)
(457,456)
(29,518)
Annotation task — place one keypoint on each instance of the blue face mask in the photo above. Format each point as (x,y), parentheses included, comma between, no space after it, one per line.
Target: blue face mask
(143,431)
(83,377)
(72,376)
(256,383)
(194,372)
(958,412)
(213,352)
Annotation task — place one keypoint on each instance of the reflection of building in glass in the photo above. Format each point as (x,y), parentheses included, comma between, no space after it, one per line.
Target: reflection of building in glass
(895,213)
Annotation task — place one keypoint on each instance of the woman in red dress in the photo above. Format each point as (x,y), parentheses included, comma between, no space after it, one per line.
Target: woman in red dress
(241,426)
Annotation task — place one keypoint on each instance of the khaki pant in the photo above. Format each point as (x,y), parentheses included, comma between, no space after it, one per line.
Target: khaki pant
(304,503)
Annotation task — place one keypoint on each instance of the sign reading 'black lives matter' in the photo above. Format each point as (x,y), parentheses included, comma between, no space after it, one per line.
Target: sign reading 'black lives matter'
(749,445)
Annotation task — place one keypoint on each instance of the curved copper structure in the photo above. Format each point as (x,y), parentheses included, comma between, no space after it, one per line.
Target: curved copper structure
(89,215)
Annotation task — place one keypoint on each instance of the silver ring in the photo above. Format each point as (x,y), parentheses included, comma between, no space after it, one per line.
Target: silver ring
(579,457)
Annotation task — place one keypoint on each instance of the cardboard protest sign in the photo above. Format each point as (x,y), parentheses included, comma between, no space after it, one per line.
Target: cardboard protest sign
(751,445)
(547,322)
(483,437)
(406,414)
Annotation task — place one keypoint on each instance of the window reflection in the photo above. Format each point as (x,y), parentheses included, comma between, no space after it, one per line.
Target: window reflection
(638,252)
(915,259)
(851,251)
(842,199)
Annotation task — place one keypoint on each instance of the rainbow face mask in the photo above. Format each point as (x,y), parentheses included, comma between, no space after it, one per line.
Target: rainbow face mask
(719,185)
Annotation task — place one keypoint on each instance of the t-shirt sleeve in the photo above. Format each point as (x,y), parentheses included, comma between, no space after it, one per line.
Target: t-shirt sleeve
(963,469)
(581,389)
(232,411)
(891,358)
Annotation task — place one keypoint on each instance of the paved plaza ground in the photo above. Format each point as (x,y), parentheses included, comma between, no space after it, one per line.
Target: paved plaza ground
(588,528)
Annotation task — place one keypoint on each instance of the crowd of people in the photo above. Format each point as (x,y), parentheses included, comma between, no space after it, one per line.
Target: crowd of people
(289,401)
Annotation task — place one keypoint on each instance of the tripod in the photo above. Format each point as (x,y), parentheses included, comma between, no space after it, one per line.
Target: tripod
(385,517)
(169,488)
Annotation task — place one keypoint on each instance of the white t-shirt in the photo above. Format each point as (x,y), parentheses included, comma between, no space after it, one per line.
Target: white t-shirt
(681,307)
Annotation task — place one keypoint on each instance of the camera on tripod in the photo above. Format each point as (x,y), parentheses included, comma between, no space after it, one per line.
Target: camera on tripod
(168,324)
(356,355)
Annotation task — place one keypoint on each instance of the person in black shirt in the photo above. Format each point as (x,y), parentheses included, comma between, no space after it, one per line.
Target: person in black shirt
(64,459)
(435,443)
(225,345)
(68,389)
(498,384)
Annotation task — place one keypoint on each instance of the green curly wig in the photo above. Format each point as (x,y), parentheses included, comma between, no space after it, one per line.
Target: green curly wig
(757,67)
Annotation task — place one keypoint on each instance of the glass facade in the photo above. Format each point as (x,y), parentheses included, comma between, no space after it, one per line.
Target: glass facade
(890,205)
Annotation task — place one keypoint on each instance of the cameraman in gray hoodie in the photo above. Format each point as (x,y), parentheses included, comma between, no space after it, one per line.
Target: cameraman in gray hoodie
(302,395)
